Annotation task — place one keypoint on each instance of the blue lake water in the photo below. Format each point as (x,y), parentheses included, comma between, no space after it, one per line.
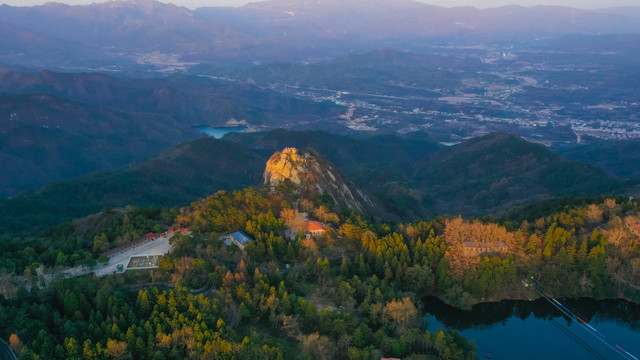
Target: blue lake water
(536,330)
(219,132)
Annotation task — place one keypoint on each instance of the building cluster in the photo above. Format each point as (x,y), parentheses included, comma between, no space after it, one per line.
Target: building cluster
(311,229)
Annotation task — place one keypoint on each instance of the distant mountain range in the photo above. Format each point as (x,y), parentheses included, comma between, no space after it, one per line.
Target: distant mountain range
(384,19)
(147,34)
(188,100)
(629,11)
(59,125)
(411,178)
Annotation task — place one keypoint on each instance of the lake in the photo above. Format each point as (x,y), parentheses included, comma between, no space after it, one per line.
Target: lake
(537,330)
(219,132)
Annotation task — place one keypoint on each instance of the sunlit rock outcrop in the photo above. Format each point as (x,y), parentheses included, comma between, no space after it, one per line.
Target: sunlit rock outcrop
(312,173)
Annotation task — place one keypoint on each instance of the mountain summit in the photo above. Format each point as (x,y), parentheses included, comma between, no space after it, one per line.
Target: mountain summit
(312,174)
(289,164)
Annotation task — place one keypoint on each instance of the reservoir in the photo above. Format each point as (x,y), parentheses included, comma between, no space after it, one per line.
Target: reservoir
(538,330)
(219,132)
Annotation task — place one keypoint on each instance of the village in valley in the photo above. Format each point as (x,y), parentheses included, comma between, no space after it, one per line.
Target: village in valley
(551,101)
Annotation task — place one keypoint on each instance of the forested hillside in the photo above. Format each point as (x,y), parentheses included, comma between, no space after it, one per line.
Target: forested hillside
(176,177)
(413,177)
(620,158)
(492,173)
(45,138)
(353,292)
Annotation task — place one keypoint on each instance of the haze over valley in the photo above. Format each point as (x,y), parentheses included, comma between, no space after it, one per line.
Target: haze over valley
(319,180)
(556,76)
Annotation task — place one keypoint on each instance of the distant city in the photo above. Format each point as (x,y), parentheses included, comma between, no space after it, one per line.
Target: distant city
(549,101)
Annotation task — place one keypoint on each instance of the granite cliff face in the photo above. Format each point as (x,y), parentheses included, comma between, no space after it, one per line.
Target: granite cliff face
(313,174)
(288,164)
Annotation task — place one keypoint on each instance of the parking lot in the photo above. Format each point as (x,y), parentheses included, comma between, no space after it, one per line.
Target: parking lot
(144,262)
(145,250)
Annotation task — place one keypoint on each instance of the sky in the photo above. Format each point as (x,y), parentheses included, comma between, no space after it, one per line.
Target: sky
(583,4)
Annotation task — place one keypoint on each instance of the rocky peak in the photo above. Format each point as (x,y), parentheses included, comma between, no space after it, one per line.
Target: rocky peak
(313,174)
(288,164)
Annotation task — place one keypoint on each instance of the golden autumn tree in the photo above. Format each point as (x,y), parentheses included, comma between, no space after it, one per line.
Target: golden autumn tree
(117,350)
(15,343)
(401,314)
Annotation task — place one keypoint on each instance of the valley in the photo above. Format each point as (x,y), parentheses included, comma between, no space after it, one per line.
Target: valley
(335,179)
(450,97)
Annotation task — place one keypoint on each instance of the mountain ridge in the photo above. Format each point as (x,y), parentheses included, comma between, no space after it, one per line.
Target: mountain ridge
(500,170)
(314,176)
(440,183)
(151,34)
(619,158)
(46,138)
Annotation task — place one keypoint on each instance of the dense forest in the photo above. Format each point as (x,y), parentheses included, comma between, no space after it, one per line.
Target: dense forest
(353,292)
(475,162)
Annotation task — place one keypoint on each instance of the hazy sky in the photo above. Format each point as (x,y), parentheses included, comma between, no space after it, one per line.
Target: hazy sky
(585,4)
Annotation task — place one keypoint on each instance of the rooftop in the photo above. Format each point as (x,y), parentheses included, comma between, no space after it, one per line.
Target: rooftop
(313,225)
(241,237)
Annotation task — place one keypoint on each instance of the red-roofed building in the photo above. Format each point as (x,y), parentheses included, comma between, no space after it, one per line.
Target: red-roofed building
(313,228)
(150,236)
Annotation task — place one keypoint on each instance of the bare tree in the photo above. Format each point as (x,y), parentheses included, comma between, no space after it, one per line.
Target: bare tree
(317,347)
(401,314)
(325,215)
(183,266)
(610,207)
(594,213)
(293,219)
(6,284)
